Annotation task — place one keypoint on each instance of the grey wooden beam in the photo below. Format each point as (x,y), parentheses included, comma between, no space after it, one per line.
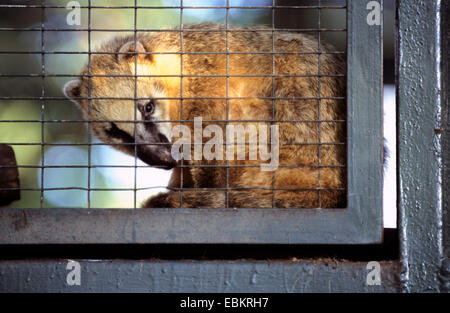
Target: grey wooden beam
(420,101)
(445,269)
(324,275)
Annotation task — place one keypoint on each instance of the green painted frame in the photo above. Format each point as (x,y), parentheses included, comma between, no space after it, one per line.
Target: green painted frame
(360,223)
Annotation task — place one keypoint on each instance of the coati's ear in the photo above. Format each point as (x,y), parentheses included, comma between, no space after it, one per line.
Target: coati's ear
(128,50)
(72,90)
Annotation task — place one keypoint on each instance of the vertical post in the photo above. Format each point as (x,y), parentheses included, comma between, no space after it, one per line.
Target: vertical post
(419,142)
(365,117)
(445,268)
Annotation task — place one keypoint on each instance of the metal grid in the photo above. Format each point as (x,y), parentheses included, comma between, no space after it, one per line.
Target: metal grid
(44,98)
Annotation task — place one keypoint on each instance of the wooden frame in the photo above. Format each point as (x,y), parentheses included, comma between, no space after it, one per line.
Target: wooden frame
(360,223)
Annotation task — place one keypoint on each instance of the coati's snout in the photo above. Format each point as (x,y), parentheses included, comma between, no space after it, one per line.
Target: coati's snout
(146,134)
(148,138)
(157,154)
(127,112)
(152,147)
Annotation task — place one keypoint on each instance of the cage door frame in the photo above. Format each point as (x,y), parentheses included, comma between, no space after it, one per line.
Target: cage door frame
(360,223)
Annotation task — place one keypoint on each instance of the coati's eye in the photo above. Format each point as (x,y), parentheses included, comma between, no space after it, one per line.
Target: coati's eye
(149,107)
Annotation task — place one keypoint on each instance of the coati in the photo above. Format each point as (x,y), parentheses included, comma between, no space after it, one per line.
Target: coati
(183,76)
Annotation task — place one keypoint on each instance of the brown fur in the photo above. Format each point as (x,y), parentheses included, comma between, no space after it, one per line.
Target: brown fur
(306,176)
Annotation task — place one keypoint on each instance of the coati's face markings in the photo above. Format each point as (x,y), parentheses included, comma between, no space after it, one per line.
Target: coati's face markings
(145,130)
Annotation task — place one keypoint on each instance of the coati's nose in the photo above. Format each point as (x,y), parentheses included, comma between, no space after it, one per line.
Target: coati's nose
(159,155)
(167,159)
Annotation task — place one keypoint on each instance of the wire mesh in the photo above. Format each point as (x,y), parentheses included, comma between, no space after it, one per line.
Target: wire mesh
(35,166)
